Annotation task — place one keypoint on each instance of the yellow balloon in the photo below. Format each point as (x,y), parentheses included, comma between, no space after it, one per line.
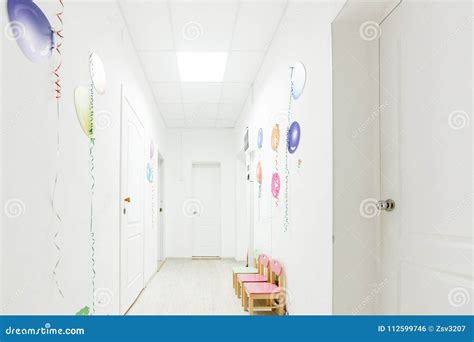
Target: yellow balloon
(275,137)
(83,105)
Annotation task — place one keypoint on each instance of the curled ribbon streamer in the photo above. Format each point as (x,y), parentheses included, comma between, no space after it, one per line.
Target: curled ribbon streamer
(60,37)
(275,142)
(91,172)
(57,84)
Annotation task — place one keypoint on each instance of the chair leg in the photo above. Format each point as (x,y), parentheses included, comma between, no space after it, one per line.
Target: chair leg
(281,305)
(244,300)
(251,305)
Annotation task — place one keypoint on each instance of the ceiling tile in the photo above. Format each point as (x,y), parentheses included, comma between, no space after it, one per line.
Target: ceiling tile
(171,110)
(201,92)
(243,66)
(149,23)
(167,92)
(256,24)
(202,124)
(175,123)
(197,111)
(160,66)
(229,110)
(225,123)
(203,25)
(234,92)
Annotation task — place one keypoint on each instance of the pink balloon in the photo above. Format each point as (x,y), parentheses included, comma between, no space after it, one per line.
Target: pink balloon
(275,184)
(152,149)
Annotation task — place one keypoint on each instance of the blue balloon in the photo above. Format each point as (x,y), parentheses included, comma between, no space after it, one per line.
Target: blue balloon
(31,30)
(294,134)
(149,173)
(260,138)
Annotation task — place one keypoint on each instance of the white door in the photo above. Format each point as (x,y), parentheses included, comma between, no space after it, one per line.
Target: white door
(205,208)
(132,207)
(426,155)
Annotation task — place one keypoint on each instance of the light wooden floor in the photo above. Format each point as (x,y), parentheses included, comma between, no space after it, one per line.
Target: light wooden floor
(190,287)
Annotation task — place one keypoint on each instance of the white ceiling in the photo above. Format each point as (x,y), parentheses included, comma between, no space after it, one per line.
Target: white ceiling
(243,28)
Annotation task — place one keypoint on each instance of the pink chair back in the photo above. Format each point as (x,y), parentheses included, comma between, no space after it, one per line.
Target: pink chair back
(275,267)
(263,260)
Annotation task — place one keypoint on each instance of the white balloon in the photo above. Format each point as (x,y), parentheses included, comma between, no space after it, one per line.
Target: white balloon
(298,78)
(96,68)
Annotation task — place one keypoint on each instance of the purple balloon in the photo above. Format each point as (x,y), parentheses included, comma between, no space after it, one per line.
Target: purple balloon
(294,134)
(31,30)
(260,138)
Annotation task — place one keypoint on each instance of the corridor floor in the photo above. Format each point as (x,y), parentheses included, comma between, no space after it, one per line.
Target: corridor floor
(190,287)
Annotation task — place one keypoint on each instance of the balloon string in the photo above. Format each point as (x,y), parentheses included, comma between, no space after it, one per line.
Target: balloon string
(56,214)
(58,96)
(287,171)
(91,172)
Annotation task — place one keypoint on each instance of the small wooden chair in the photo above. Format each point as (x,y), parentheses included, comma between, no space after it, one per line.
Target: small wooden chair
(272,293)
(245,270)
(263,275)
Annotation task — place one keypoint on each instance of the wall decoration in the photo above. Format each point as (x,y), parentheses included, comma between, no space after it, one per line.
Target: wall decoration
(260,138)
(275,143)
(98,82)
(83,312)
(259,178)
(97,71)
(259,173)
(293,131)
(294,134)
(82,101)
(152,149)
(275,185)
(31,30)
(57,84)
(275,137)
(298,77)
(149,172)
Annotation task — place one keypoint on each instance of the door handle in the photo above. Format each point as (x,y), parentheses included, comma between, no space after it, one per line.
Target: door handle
(126,200)
(387,205)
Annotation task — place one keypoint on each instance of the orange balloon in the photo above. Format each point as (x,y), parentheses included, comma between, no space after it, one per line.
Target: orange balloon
(259,173)
(275,137)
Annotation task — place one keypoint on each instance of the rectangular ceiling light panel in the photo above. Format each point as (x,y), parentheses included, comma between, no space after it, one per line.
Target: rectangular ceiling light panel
(201,66)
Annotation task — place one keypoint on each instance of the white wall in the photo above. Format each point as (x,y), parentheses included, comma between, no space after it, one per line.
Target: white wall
(28,164)
(185,147)
(305,250)
(242,210)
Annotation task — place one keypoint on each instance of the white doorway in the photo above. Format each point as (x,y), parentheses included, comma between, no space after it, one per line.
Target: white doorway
(206,212)
(160,211)
(402,87)
(425,148)
(132,205)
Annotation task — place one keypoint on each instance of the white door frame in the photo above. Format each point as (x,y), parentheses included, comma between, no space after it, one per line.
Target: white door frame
(122,195)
